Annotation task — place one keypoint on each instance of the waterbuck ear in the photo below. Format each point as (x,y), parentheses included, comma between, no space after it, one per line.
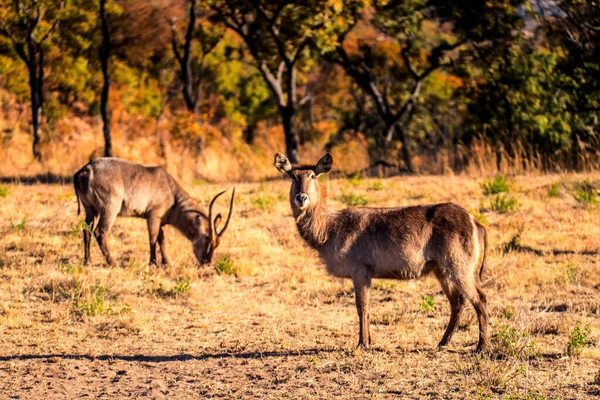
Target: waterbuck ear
(283,164)
(324,165)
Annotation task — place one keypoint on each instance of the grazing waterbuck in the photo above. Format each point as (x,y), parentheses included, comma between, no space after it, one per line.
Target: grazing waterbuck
(109,187)
(363,243)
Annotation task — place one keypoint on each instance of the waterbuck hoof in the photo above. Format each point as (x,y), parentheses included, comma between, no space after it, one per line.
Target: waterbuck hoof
(481,347)
(363,345)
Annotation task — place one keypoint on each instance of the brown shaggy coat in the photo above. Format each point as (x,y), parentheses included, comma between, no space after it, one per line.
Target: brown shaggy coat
(363,243)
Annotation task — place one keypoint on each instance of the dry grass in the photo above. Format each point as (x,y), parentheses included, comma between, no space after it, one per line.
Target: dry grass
(267,322)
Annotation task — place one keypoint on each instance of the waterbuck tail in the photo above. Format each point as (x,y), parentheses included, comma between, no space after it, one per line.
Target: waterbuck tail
(483,233)
(81,183)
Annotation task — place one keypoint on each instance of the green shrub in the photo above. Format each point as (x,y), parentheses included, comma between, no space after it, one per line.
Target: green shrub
(503,203)
(496,185)
(3,191)
(554,190)
(514,243)
(20,227)
(509,341)
(579,339)
(95,302)
(353,200)
(225,265)
(200,181)
(377,185)
(81,226)
(356,179)
(586,193)
(262,202)
(480,217)
(427,304)
(182,286)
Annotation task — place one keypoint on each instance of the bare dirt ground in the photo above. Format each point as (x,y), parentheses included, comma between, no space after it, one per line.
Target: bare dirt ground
(265,321)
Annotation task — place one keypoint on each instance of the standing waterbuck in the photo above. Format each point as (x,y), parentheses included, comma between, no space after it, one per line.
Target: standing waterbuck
(392,243)
(110,187)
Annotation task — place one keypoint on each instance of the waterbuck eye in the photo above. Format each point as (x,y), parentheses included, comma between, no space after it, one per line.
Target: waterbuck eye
(312,176)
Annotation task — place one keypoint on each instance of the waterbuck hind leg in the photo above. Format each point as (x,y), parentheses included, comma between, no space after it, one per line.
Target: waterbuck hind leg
(362,289)
(153,232)
(163,250)
(472,293)
(484,339)
(457,302)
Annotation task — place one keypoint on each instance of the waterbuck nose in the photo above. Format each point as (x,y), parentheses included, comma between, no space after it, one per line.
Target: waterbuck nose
(301,199)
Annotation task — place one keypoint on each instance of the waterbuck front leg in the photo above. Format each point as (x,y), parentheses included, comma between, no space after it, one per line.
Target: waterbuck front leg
(153,233)
(163,250)
(361,277)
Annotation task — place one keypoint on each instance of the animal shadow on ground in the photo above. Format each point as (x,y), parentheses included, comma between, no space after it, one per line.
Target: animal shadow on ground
(48,178)
(168,358)
(208,356)
(555,252)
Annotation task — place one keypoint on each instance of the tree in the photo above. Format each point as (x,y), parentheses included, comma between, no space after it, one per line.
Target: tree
(29,25)
(104,56)
(279,36)
(405,27)
(192,70)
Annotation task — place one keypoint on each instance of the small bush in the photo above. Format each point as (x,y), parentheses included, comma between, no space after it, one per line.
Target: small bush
(20,227)
(511,342)
(182,286)
(4,191)
(572,277)
(94,303)
(480,217)
(80,227)
(71,269)
(262,202)
(377,185)
(353,200)
(496,185)
(597,378)
(509,313)
(356,179)
(427,304)
(503,204)
(225,265)
(514,243)
(200,181)
(554,190)
(586,193)
(579,339)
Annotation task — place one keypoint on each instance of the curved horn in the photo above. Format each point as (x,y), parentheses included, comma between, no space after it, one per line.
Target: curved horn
(229,215)
(213,232)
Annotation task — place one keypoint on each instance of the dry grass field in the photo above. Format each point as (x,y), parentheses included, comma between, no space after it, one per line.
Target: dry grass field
(265,320)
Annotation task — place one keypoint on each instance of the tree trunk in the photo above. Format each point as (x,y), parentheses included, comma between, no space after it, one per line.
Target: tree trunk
(250,133)
(35,107)
(406,156)
(187,76)
(291,139)
(104,55)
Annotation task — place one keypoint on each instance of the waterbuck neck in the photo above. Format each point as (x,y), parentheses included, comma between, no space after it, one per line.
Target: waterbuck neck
(315,225)
(185,211)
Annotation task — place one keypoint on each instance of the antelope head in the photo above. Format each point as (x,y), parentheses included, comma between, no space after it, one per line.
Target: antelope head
(304,193)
